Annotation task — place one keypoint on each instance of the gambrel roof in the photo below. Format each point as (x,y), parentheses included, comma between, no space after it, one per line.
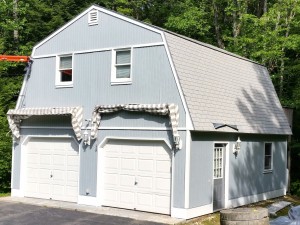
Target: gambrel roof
(220,87)
(217,87)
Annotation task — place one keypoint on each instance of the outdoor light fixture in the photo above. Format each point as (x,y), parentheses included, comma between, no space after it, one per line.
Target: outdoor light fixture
(237,146)
(86,138)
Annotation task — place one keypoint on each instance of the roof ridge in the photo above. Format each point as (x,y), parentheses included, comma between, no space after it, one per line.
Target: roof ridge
(184,37)
(215,48)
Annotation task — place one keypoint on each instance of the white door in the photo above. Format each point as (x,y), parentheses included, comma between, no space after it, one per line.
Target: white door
(52,169)
(137,175)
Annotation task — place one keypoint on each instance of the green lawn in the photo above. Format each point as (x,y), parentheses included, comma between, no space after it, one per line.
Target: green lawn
(4,194)
(214,218)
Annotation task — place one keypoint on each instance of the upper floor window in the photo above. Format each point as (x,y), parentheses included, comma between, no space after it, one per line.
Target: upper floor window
(121,68)
(268,157)
(64,76)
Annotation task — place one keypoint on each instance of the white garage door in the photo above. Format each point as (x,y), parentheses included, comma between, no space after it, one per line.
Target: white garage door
(137,175)
(52,169)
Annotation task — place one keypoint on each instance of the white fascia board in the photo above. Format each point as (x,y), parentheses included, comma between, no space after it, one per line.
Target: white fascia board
(93,7)
(188,119)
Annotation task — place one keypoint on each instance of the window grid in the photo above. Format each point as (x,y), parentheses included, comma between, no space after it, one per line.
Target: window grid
(268,157)
(218,162)
(121,67)
(64,74)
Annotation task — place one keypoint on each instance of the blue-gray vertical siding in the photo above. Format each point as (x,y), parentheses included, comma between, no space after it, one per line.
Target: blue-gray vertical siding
(16,169)
(152,82)
(110,32)
(246,174)
(246,171)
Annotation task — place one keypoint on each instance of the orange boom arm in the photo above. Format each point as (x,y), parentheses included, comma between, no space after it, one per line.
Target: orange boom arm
(14,58)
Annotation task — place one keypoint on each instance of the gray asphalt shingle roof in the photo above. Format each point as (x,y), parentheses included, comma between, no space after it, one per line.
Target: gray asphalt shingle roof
(220,87)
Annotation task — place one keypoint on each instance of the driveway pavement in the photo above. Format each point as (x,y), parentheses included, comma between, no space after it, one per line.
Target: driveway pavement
(14,213)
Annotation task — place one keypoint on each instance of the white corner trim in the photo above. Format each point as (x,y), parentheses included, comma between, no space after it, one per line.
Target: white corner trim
(87,200)
(181,213)
(16,193)
(189,123)
(255,198)
(227,161)
(12,164)
(187,170)
(93,7)
(107,138)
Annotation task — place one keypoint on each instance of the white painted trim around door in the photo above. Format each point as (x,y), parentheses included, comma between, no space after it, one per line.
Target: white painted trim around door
(23,162)
(100,164)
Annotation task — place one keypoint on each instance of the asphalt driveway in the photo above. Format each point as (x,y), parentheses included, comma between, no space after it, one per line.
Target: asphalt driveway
(13,213)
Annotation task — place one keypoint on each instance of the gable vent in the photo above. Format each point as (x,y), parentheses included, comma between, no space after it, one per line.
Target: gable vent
(93,17)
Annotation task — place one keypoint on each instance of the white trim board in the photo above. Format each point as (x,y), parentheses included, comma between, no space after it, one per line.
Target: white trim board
(191,213)
(87,200)
(106,128)
(187,170)
(107,138)
(255,198)
(16,192)
(188,119)
(102,49)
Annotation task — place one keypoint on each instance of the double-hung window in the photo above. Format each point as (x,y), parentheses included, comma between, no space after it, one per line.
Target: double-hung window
(121,66)
(268,157)
(64,75)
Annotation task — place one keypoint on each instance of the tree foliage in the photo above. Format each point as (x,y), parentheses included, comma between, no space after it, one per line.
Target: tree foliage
(266,31)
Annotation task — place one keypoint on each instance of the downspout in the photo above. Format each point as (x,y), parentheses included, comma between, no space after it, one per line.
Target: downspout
(24,85)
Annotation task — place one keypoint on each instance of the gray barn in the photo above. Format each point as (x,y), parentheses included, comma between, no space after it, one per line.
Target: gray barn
(119,113)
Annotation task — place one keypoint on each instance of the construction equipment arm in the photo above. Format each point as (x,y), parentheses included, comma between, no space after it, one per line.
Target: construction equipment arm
(14,58)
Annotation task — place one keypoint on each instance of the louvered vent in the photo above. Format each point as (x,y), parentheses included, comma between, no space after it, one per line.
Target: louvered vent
(93,17)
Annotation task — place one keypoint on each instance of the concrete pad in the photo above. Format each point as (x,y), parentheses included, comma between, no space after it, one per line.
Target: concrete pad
(276,206)
(136,215)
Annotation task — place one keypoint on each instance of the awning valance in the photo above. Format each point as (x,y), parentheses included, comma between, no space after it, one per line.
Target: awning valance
(158,109)
(15,116)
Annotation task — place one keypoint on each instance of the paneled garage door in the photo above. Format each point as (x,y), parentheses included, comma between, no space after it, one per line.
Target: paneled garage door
(52,169)
(137,175)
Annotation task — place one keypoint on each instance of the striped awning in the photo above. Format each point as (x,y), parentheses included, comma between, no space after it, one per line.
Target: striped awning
(158,109)
(15,116)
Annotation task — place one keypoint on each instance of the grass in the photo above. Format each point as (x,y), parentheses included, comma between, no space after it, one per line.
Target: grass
(4,194)
(214,218)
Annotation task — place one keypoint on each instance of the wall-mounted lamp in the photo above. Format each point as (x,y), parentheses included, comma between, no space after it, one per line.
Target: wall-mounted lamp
(86,138)
(237,146)
(178,142)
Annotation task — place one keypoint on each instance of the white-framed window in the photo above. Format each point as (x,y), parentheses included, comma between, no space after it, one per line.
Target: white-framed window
(268,157)
(64,73)
(121,66)
(218,161)
(93,17)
